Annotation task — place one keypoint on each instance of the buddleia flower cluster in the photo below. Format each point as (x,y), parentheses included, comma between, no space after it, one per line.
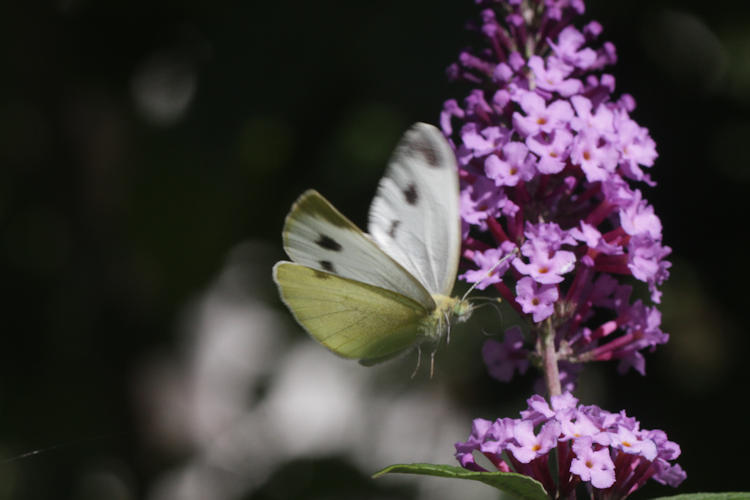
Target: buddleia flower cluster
(552,168)
(582,445)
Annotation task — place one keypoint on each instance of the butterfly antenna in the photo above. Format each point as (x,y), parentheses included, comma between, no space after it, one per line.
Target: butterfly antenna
(489,272)
(488,334)
(419,362)
(496,307)
(490,301)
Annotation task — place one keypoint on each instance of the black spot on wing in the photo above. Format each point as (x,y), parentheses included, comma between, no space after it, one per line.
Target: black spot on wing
(410,193)
(328,243)
(424,149)
(392,229)
(327,265)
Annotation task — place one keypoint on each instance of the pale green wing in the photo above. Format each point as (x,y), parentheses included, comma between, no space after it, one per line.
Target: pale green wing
(353,319)
(319,236)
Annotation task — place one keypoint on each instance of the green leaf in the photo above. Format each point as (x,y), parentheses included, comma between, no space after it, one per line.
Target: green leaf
(734,495)
(523,487)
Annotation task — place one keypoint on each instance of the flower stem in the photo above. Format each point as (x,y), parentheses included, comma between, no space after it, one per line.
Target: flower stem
(549,360)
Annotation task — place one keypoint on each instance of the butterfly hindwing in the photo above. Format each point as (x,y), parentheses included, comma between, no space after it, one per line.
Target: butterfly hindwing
(353,319)
(415,215)
(319,236)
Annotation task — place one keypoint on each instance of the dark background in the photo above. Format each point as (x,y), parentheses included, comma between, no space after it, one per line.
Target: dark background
(141,141)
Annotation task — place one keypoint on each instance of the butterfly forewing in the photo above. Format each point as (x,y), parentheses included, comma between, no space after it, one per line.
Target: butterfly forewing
(319,236)
(414,216)
(352,319)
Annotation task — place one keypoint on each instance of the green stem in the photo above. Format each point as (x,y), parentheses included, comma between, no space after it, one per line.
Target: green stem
(549,360)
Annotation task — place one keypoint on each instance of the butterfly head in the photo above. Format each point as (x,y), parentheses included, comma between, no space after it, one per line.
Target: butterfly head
(461,310)
(448,311)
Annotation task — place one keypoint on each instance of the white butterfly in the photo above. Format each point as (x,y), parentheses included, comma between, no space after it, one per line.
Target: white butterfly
(371,296)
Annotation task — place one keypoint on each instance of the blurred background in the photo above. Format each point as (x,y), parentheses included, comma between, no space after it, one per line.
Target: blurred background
(149,152)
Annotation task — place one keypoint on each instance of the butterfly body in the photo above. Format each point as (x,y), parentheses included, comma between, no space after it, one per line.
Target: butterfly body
(372,296)
(448,311)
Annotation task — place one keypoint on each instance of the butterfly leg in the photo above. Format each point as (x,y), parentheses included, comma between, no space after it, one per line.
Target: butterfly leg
(419,361)
(448,331)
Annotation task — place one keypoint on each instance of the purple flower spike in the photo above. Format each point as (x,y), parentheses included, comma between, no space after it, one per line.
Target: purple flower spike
(607,451)
(551,165)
